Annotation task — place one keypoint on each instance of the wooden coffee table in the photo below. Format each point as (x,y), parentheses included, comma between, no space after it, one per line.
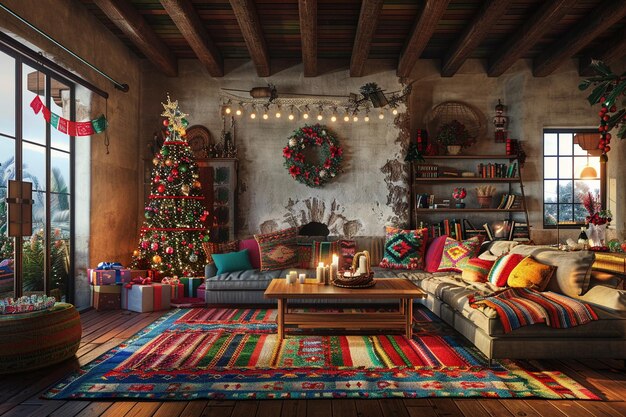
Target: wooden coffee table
(385,288)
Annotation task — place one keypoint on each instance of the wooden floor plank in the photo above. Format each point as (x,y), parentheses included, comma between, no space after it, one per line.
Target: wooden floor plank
(599,409)
(118,409)
(170,409)
(245,409)
(214,411)
(445,407)
(495,408)
(571,409)
(367,408)
(471,408)
(423,412)
(520,408)
(70,408)
(194,408)
(344,408)
(294,408)
(392,407)
(269,408)
(544,408)
(143,409)
(94,409)
(318,408)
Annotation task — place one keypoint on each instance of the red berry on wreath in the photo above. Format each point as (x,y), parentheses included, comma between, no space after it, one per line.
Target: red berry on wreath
(607,149)
(603,110)
(606,117)
(608,136)
(166,122)
(613,108)
(602,99)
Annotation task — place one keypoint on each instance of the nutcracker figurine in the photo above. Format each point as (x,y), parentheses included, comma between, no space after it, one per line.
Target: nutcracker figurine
(500,121)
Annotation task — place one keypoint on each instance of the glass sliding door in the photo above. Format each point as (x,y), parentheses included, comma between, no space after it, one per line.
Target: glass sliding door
(33,151)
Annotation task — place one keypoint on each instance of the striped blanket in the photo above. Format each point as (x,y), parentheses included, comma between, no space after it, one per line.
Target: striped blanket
(519,307)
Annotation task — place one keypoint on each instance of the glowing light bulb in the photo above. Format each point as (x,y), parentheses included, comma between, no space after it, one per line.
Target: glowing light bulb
(253,115)
(366,118)
(278,115)
(346,118)
(291,116)
(381,116)
(333,118)
(265,116)
(320,117)
(305,115)
(227,110)
(355,118)
(394,111)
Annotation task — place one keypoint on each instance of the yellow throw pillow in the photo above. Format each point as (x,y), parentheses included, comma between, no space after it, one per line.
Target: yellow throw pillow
(530,273)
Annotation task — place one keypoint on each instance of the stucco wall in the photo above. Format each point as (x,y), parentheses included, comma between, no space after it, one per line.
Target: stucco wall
(106,184)
(533,104)
(358,201)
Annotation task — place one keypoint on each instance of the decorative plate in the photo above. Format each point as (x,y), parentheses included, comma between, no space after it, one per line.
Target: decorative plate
(198,138)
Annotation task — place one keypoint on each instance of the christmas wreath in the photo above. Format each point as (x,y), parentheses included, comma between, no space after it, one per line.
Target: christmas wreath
(331,153)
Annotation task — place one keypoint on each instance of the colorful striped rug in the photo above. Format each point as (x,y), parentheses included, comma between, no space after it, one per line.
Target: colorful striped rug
(234,354)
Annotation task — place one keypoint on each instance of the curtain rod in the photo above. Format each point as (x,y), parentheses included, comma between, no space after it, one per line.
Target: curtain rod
(52,65)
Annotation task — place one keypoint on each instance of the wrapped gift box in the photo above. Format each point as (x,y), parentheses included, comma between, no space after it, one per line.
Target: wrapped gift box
(191,285)
(202,291)
(108,276)
(146,298)
(177,290)
(106,297)
(141,273)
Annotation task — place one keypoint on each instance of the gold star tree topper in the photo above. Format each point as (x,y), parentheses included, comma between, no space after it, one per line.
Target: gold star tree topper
(173,114)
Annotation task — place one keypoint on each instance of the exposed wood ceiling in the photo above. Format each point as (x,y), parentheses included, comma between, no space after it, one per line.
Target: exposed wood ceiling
(349,32)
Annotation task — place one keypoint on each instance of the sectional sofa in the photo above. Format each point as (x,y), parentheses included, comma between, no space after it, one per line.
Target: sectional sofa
(447,297)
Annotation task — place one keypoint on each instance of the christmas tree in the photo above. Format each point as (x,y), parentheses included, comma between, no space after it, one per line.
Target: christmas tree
(172,234)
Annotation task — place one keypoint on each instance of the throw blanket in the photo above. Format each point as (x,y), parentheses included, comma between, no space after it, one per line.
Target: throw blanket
(519,307)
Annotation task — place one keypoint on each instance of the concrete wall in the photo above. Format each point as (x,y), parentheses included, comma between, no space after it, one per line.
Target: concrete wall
(533,104)
(106,184)
(371,191)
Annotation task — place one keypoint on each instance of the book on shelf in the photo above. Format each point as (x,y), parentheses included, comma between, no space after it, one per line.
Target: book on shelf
(487,228)
(510,201)
(426,171)
(495,170)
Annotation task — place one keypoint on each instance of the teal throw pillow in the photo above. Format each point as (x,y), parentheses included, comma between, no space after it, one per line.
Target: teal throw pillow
(233,261)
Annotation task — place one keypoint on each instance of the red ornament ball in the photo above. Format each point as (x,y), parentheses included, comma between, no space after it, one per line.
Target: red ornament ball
(154,246)
(161,188)
(175,172)
(166,122)
(144,244)
(170,178)
(169,250)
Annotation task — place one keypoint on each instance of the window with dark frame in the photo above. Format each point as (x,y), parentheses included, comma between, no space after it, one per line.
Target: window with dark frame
(563,162)
(31,150)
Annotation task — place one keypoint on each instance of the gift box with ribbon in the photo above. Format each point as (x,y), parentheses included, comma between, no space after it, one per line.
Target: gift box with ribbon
(109,273)
(191,285)
(142,295)
(177,290)
(141,273)
(106,297)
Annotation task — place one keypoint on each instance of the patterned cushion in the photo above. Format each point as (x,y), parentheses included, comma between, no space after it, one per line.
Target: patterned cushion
(404,249)
(278,249)
(347,250)
(305,255)
(434,252)
(210,248)
(477,270)
(531,274)
(456,253)
(323,252)
(503,267)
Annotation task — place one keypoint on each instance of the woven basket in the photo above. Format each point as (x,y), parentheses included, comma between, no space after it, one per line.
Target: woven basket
(359,281)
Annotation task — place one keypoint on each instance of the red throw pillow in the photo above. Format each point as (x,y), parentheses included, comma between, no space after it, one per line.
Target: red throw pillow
(253,251)
(433,253)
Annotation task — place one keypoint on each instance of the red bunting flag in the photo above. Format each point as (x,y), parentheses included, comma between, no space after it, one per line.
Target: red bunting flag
(68,126)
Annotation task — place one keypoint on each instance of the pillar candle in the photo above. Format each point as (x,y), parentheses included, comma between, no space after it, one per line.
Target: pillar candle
(362,265)
(319,273)
(327,275)
(302,278)
(334,267)
(293,277)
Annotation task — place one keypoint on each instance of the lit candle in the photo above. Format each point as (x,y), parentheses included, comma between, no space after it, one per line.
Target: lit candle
(319,273)
(327,274)
(293,277)
(302,278)
(334,267)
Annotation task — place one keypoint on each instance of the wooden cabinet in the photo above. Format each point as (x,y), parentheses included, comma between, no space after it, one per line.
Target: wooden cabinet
(219,185)
(438,176)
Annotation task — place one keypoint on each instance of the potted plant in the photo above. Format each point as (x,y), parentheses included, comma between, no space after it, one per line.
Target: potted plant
(484,194)
(459,193)
(454,136)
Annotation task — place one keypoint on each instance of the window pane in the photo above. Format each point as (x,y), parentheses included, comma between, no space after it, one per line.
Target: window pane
(566,142)
(59,251)
(550,144)
(34,165)
(549,191)
(565,191)
(579,151)
(60,175)
(565,167)
(579,213)
(566,213)
(549,214)
(34,125)
(59,104)
(583,186)
(579,164)
(33,249)
(7,160)
(7,92)
(550,167)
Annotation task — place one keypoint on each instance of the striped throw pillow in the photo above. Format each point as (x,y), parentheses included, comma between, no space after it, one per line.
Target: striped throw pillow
(477,270)
(503,267)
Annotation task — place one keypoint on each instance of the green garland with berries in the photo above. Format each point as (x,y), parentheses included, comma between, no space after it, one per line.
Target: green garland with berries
(608,88)
(309,174)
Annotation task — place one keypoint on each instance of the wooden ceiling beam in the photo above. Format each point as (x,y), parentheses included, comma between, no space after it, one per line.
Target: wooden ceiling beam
(586,30)
(250,26)
(368,21)
(308,35)
(422,31)
(528,35)
(130,21)
(186,19)
(474,34)
(609,53)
